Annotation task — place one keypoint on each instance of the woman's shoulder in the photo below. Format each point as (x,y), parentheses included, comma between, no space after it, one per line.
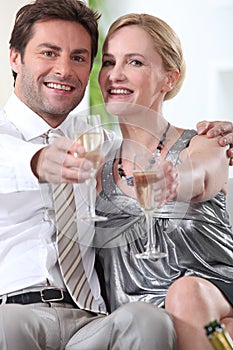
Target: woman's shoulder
(181,140)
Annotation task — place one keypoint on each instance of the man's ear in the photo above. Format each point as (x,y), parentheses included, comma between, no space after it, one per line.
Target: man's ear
(15,60)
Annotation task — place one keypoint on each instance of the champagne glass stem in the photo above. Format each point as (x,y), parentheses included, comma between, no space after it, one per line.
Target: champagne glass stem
(150,252)
(91,185)
(91,197)
(151,239)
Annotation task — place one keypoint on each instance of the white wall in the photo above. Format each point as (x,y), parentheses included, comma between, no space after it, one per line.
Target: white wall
(205,28)
(7,13)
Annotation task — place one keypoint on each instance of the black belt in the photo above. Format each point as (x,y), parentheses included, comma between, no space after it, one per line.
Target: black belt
(47,295)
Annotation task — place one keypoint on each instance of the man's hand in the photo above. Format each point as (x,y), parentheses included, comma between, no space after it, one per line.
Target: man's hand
(224,129)
(62,161)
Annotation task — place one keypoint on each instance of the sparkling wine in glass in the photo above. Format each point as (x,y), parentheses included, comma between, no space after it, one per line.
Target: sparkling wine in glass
(145,175)
(92,140)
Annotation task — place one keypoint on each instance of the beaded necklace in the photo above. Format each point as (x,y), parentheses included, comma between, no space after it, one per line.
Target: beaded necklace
(155,154)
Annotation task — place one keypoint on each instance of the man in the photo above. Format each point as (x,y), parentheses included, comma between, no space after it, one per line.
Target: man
(52,48)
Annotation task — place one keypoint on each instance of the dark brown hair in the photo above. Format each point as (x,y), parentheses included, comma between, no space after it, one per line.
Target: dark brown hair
(39,10)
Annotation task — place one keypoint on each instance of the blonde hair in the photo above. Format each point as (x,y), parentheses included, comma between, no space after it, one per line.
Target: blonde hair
(166,43)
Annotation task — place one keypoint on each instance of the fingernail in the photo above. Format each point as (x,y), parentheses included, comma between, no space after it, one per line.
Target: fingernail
(84,175)
(212,133)
(224,141)
(200,129)
(80,149)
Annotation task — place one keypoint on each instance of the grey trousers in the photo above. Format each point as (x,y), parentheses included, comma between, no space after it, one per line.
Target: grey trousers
(134,326)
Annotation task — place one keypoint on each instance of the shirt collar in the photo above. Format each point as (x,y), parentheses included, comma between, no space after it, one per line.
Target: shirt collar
(26,121)
(30,124)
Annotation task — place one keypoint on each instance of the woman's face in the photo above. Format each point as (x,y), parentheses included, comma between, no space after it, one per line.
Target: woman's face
(132,71)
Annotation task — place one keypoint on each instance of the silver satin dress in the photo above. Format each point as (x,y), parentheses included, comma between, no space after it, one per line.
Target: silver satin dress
(197,237)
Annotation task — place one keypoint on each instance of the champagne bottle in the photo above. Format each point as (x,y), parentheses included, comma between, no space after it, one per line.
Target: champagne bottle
(218,336)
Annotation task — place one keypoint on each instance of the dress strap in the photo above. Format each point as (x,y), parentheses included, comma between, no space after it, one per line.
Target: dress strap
(109,187)
(182,143)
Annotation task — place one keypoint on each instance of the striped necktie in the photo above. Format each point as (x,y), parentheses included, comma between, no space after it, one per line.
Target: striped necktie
(69,255)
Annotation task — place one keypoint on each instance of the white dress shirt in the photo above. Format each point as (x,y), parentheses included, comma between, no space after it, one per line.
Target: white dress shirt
(28,252)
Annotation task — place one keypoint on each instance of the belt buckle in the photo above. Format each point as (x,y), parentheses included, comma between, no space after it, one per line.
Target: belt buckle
(46,300)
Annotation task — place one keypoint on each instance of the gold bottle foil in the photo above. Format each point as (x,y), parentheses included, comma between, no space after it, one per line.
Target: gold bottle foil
(218,336)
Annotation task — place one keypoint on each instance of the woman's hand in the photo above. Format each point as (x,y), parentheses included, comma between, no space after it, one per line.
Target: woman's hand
(166,184)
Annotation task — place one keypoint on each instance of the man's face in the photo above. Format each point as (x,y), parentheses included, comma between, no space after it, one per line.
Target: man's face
(54,72)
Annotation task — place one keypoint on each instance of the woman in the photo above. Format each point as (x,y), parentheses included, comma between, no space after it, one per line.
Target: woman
(142,66)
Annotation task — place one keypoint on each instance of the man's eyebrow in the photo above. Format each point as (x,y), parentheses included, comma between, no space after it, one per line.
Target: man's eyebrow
(49,46)
(82,51)
(57,48)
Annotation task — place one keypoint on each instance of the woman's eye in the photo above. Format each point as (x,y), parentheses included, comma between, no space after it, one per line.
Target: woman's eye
(107,63)
(136,63)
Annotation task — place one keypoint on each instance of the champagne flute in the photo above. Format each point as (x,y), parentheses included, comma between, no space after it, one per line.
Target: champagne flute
(145,173)
(91,139)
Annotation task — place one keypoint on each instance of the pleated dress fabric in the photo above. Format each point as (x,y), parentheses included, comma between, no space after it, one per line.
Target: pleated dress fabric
(197,237)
